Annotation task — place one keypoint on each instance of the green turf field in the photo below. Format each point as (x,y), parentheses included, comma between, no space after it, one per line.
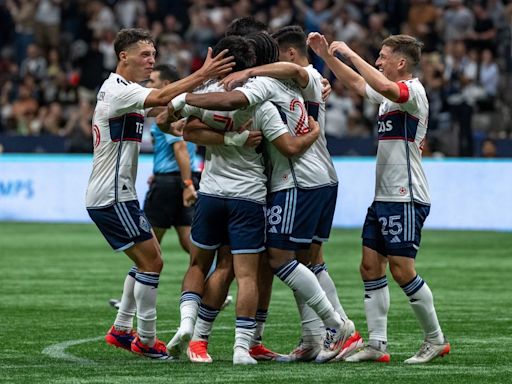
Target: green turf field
(56,280)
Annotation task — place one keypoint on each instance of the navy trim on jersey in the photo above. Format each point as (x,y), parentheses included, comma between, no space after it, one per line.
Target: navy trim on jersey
(313,109)
(127,129)
(392,127)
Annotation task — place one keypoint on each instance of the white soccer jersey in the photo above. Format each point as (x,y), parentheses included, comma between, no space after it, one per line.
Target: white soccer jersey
(117,132)
(231,171)
(313,169)
(401,131)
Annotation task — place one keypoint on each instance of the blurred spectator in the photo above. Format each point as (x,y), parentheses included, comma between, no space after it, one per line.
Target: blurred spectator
(34,64)
(281,14)
(78,128)
(127,12)
(422,22)
(25,112)
(92,72)
(458,21)
(488,148)
(317,14)
(489,79)
(47,24)
(484,32)
(22,13)
(339,108)
(52,119)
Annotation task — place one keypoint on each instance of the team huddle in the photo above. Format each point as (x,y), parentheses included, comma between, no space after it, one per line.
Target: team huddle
(267,194)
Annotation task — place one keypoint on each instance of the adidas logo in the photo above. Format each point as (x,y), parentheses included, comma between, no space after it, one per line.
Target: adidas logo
(273,229)
(395,239)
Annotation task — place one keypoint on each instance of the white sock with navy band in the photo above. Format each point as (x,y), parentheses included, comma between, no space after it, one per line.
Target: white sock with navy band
(261,318)
(189,307)
(327,284)
(422,303)
(301,280)
(376,306)
(312,326)
(127,307)
(145,292)
(244,332)
(204,322)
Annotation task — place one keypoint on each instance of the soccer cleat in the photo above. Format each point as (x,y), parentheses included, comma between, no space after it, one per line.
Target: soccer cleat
(120,339)
(302,353)
(242,357)
(261,353)
(353,343)
(429,351)
(227,301)
(157,351)
(368,353)
(197,352)
(115,303)
(334,340)
(179,342)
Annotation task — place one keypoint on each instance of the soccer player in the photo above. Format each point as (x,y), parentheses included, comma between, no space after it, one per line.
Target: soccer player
(175,176)
(392,229)
(231,207)
(289,213)
(295,65)
(111,198)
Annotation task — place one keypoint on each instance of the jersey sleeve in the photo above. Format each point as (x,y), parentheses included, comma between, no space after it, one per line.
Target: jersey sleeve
(131,96)
(171,139)
(257,89)
(269,121)
(373,95)
(190,110)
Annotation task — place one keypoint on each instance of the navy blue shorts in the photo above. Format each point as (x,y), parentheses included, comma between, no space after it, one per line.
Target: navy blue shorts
(224,221)
(394,228)
(122,224)
(296,217)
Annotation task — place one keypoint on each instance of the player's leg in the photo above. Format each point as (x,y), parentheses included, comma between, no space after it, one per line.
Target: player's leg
(183,232)
(376,291)
(266,276)
(126,229)
(206,237)
(147,257)
(246,234)
(216,289)
(402,266)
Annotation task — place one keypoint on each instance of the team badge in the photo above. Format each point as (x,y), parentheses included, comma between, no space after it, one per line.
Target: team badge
(143,223)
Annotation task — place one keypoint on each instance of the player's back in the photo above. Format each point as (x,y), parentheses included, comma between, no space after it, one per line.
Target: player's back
(230,171)
(307,170)
(117,127)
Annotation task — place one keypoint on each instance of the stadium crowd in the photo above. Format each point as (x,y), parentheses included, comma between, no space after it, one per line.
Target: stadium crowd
(55,54)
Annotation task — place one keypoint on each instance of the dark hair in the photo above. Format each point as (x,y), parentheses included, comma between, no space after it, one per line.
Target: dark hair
(127,37)
(291,36)
(244,26)
(239,47)
(406,45)
(266,48)
(167,72)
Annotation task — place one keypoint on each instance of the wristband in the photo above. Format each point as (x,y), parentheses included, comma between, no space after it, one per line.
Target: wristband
(187,183)
(236,139)
(179,101)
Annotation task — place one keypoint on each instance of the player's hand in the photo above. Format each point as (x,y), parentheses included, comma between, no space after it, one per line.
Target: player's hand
(318,44)
(189,196)
(326,90)
(254,139)
(235,79)
(340,47)
(217,66)
(151,178)
(176,128)
(314,127)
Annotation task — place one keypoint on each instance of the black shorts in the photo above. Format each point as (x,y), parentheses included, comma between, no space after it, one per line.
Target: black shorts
(163,204)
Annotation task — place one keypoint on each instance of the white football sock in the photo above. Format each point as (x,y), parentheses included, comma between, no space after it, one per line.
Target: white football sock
(145,292)
(127,307)
(376,306)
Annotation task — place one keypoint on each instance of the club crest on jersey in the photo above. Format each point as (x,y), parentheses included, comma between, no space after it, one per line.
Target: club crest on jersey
(96,135)
(402,191)
(143,223)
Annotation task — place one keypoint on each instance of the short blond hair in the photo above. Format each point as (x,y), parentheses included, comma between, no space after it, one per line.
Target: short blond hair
(406,45)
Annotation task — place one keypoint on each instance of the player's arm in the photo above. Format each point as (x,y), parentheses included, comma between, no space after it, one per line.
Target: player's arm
(198,132)
(375,79)
(218,101)
(279,70)
(343,72)
(183,160)
(291,146)
(212,68)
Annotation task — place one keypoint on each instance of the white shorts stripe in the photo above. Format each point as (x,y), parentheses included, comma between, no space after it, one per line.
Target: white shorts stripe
(134,226)
(122,219)
(294,208)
